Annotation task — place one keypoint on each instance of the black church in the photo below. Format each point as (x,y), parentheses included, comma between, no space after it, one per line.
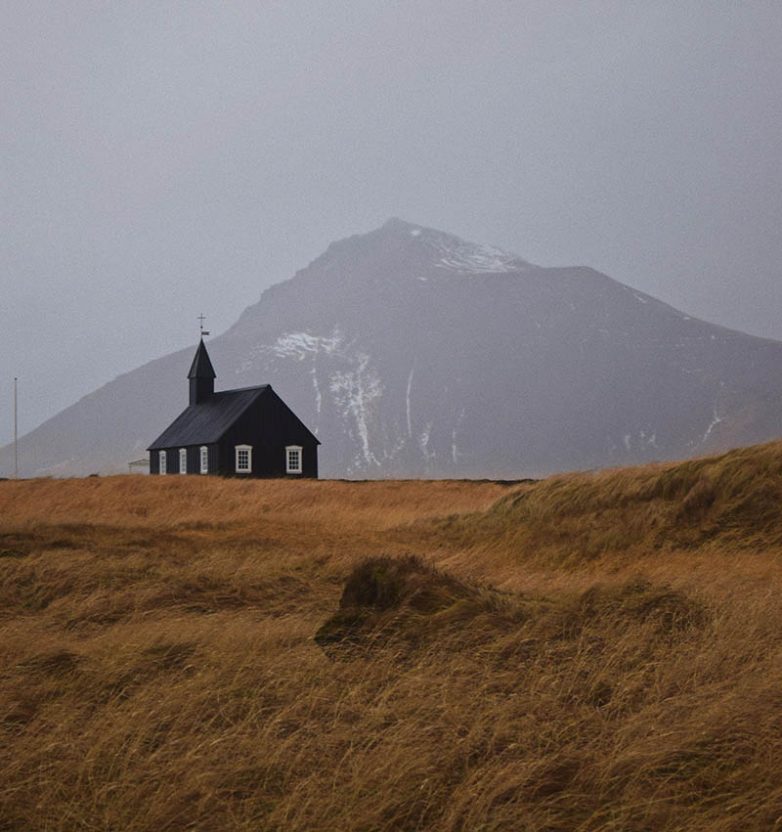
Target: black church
(249,432)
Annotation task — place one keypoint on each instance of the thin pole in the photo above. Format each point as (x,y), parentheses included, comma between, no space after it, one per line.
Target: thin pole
(16,428)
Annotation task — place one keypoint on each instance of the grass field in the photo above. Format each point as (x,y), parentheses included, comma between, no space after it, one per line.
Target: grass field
(591,652)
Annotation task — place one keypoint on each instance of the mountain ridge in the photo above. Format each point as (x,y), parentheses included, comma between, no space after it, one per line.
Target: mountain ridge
(412,352)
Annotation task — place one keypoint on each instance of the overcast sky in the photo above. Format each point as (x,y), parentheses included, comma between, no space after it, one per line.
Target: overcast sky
(164,158)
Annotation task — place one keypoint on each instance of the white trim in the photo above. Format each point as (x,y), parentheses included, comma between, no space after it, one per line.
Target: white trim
(183,460)
(248,469)
(203,455)
(294,466)
(162,462)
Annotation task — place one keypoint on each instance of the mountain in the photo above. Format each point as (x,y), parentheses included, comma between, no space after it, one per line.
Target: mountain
(412,353)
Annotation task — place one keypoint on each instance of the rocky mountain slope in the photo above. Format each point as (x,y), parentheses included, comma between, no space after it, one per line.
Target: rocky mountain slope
(412,353)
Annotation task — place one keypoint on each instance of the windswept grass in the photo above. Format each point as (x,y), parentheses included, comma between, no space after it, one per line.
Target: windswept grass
(591,652)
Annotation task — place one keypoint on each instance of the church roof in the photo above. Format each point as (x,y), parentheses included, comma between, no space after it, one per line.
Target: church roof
(202,364)
(206,422)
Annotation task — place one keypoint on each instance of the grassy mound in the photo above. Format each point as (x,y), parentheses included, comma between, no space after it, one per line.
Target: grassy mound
(400,601)
(723,504)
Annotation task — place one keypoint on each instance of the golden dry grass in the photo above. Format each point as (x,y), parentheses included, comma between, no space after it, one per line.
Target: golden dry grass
(607,653)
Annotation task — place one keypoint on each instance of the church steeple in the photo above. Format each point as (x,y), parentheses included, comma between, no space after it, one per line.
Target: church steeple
(202,376)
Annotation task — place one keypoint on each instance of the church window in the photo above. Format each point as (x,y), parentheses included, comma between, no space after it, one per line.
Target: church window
(183,460)
(293,459)
(204,459)
(244,459)
(162,459)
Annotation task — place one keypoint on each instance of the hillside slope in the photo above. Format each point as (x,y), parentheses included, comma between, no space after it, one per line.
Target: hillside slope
(590,652)
(411,352)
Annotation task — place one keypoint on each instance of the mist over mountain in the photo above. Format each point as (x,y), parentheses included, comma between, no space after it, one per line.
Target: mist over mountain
(412,353)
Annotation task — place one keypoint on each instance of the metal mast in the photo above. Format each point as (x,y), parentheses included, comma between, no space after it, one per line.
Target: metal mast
(16,427)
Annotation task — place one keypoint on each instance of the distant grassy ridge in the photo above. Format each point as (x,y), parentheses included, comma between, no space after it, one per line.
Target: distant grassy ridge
(594,651)
(717,505)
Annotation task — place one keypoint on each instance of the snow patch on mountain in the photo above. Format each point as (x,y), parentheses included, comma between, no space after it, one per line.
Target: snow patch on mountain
(716,420)
(456,255)
(473,259)
(293,345)
(357,392)
(640,441)
(300,344)
(318,394)
(423,442)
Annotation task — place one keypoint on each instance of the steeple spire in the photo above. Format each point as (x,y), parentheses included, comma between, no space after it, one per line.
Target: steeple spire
(202,376)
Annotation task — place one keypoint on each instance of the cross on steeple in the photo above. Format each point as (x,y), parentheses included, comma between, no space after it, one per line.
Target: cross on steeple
(201,319)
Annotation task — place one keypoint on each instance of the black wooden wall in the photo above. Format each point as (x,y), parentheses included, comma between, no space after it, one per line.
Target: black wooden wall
(268,425)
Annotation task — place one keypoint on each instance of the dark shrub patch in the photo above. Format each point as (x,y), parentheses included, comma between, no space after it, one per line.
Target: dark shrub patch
(386,596)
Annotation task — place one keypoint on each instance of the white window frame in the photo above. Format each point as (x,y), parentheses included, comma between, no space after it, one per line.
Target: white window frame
(183,460)
(203,453)
(290,469)
(162,462)
(249,468)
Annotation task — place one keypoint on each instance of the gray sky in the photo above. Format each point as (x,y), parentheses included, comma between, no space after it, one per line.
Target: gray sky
(160,159)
